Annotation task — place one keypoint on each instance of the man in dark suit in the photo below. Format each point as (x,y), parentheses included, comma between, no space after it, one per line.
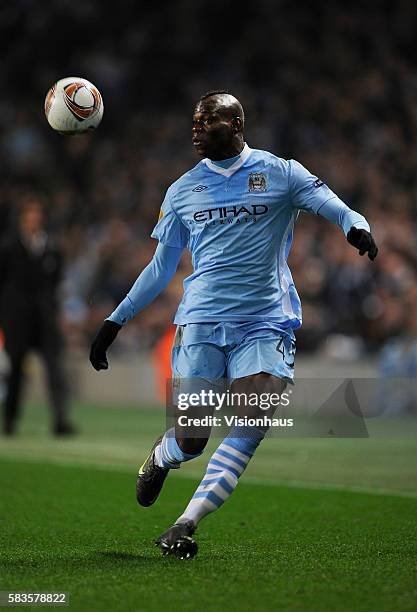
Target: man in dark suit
(30,269)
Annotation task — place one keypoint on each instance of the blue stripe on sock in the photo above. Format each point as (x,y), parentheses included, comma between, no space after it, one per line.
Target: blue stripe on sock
(225,467)
(232,457)
(215,499)
(222,482)
(209,471)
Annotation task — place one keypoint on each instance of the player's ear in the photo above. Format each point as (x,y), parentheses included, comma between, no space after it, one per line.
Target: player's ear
(237,125)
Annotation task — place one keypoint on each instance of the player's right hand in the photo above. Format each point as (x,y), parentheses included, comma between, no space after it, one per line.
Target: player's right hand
(101,343)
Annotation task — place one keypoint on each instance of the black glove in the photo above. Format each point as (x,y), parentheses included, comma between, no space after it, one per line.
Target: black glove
(363,241)
(101,343)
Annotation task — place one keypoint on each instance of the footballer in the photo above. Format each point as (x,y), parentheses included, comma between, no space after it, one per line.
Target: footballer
(235,211)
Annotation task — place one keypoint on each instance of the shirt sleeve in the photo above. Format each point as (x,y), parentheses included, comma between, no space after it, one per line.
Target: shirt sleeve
(310,194)
(152,280)
(169,230)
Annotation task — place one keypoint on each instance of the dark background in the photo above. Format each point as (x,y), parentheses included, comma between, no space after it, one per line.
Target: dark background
(332,86)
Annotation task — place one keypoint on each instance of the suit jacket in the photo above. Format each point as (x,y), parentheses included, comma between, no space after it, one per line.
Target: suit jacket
(28,300)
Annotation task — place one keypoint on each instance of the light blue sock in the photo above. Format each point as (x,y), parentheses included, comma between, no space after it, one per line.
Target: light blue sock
(168,454)
(223,471)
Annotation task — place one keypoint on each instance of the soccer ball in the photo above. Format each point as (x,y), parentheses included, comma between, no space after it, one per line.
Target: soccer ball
(73,106)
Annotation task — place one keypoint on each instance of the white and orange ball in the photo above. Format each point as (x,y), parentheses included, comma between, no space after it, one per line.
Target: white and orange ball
(73,106)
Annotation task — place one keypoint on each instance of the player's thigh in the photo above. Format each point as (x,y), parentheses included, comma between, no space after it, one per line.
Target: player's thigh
(196,368)
(262,366)
(257,394)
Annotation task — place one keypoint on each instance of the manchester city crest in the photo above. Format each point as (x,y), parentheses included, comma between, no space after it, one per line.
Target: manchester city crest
(257,181)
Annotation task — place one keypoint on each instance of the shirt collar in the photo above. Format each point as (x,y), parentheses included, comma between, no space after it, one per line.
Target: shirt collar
(246,151)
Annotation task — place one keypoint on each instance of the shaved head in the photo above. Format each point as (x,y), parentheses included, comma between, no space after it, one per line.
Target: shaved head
(223,103)
(218,123)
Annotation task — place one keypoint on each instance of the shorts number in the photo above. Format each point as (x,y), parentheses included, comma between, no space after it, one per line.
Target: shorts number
(287,350)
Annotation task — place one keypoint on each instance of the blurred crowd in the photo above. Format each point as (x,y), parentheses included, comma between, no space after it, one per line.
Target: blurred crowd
(332,86)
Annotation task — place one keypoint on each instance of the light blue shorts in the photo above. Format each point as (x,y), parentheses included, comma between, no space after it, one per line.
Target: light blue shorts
(213,351)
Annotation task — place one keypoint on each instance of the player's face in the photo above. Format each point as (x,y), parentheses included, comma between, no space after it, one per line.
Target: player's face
(212,132)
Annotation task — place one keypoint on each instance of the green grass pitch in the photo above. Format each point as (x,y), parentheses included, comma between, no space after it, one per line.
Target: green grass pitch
(314,525)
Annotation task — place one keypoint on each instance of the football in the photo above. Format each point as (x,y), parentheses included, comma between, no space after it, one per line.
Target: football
(73,106)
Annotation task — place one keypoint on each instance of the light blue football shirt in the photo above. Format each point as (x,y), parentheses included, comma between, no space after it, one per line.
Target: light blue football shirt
(238,223)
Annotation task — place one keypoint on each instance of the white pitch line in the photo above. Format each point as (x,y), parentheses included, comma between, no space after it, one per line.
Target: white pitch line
(329,486)
(71,461)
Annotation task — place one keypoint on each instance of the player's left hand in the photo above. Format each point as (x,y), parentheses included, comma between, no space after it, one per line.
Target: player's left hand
(363,241)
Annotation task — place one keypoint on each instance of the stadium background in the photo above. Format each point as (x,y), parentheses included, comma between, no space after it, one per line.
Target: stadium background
(330,85)
(334,88)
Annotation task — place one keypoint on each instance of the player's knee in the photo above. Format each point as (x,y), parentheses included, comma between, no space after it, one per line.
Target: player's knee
(192,446)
